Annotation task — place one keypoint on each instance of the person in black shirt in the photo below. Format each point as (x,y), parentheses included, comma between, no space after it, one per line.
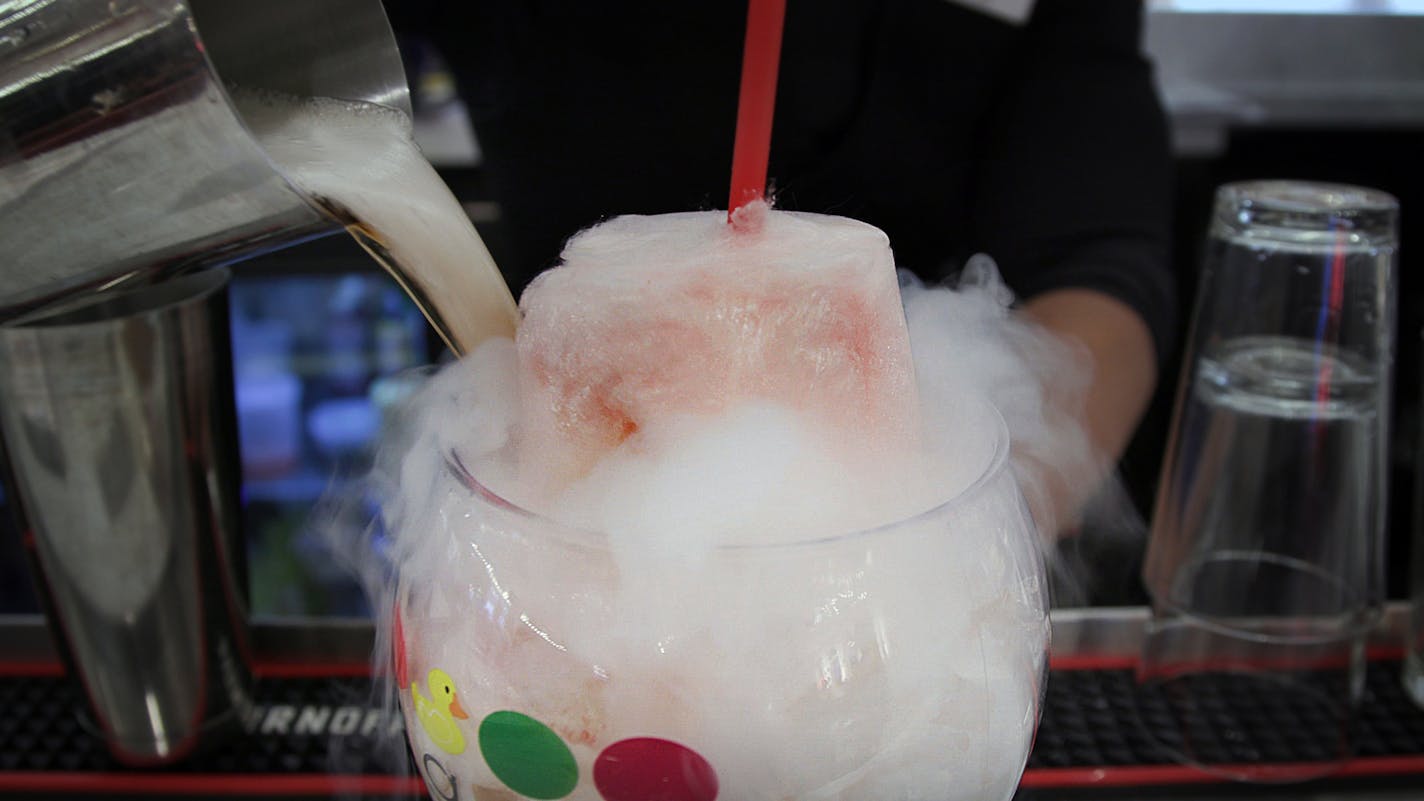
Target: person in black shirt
(1039,142)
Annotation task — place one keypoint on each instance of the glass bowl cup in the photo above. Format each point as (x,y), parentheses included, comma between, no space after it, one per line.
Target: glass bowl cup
(536,660)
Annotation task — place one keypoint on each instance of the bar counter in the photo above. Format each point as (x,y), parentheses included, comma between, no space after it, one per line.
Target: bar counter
(316,730)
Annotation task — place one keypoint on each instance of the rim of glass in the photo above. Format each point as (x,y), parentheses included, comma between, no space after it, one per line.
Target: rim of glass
(1356,613)
(1276,207)
(998,462)
(1310,196)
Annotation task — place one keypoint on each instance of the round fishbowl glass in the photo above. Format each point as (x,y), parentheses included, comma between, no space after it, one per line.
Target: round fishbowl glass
(537,660)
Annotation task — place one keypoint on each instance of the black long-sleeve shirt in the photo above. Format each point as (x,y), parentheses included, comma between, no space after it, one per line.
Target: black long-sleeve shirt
(1042,145)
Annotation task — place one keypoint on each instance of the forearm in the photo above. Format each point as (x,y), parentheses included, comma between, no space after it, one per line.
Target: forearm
(1124,366)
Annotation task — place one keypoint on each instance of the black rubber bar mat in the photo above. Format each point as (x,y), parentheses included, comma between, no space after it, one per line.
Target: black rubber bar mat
(318,735)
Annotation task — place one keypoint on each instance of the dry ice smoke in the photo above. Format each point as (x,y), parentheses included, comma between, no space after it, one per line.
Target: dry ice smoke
(729,476)
(970,344)
(930,642)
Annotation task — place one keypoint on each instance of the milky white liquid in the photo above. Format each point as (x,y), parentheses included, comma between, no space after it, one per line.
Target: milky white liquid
(359,163)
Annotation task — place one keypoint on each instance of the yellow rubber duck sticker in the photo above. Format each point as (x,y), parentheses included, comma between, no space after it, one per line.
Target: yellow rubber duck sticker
(438,713)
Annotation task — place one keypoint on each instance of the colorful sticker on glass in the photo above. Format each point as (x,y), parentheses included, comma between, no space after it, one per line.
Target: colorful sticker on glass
(653,769)
(438,712)
(527,756)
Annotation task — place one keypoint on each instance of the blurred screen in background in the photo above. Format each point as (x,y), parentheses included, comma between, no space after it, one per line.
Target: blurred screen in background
(323,343)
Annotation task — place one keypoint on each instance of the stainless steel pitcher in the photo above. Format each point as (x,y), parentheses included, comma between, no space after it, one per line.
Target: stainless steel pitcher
(122,157)
(125,167)
(117,414)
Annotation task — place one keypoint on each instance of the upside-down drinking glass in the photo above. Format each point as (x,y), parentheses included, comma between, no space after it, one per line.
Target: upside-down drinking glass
(1265,558)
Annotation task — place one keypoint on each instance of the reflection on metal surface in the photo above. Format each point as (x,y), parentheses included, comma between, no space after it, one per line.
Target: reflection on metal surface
(1333,68)
(112,414)
(121,157)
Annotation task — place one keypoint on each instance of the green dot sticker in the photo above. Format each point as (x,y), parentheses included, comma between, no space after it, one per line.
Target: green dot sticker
(527,756)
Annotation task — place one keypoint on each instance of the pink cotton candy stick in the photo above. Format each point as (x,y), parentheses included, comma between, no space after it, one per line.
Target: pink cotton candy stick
(653,319)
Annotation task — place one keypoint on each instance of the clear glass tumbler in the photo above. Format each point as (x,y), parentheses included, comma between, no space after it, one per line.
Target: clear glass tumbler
(1265,559)
(534,660)
(1414,634)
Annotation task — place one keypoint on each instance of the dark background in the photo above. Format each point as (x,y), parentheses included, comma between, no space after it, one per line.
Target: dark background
(349,329)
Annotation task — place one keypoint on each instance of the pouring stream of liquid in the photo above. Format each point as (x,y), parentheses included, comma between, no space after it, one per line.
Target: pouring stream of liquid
(358,164)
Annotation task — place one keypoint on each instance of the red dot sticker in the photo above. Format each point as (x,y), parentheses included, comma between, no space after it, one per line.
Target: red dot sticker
(653,769)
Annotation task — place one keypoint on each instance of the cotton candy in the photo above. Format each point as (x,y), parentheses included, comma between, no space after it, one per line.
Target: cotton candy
(711,499)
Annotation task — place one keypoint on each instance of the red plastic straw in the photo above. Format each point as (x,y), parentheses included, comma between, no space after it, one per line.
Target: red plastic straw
(761,55)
